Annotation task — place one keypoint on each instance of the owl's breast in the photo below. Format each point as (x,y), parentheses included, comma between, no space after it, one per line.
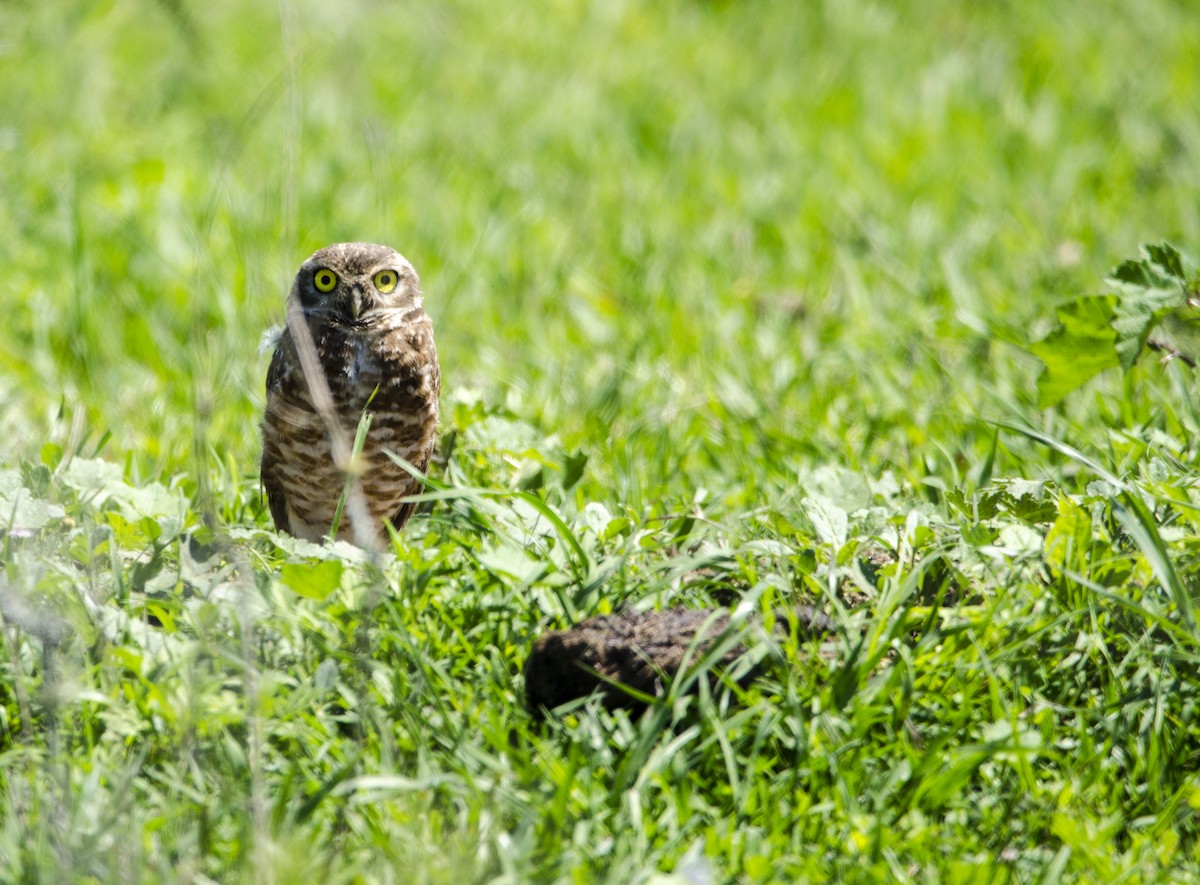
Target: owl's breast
(384,370)
(358,365)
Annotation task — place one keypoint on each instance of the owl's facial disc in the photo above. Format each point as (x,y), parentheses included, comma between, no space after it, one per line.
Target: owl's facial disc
(357,286)
(364,297)
(360,299)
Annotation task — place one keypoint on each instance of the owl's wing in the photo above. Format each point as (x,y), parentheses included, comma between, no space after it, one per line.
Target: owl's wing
(408,509)
(435,377)
(275,500)
(271,482)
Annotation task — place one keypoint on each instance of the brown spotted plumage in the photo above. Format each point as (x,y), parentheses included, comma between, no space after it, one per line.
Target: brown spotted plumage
(373,347)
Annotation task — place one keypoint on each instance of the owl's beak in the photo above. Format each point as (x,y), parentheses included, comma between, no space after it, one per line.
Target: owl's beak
(358,303)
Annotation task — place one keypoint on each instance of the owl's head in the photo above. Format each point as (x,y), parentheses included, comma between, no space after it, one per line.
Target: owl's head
(356,284)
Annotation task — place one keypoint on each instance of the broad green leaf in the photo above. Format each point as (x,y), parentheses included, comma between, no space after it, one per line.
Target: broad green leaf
(93,478)
(846,489)
(1099,331)
(19,508)
(1069,539)
(149,501)
(1161,268)
(1027,500)
(573,465)
(829,521)
(1167,256)
(1082,345)
(129,658)
(1152,288)
(312,580)
(51,454)
(1137,316)
(504,559)
(126,532)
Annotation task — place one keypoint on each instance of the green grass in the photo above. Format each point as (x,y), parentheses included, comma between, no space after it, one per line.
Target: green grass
(730,297)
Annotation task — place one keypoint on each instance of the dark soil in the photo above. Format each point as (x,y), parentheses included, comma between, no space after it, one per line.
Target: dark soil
(641,650)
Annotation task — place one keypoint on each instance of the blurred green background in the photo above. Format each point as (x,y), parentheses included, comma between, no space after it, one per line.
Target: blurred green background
(710,244)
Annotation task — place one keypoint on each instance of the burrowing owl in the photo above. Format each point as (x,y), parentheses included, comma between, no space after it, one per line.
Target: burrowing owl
(357,342)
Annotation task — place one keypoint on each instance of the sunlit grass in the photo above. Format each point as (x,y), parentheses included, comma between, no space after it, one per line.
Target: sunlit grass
(731,300)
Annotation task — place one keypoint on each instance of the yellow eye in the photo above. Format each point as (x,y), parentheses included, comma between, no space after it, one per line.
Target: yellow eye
(385,281)
(324,279)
